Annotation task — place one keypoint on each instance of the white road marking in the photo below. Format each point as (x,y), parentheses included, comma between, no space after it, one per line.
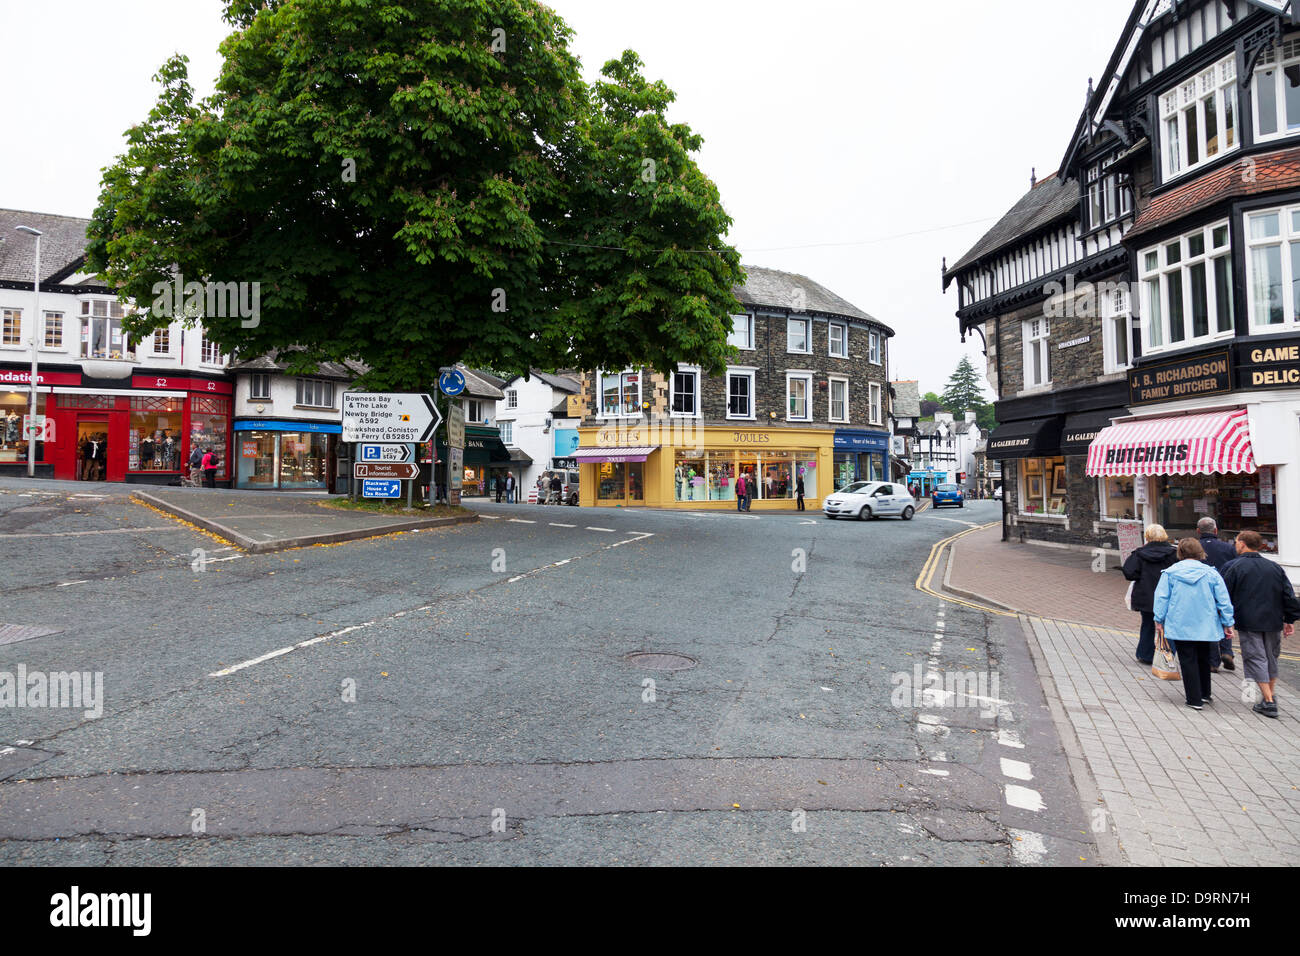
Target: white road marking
(1027,846)
(1024,798)
(8,750)
(68,584)
(606,530)
(1009,738)
(556,524)
(969,524)
(23,743)
(935,773)
(490,517)
(521,521)
(287,650)
(1016,769)
(77,534)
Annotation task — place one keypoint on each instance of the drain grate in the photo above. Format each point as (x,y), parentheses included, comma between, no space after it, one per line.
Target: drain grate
(13,633)
(661,662)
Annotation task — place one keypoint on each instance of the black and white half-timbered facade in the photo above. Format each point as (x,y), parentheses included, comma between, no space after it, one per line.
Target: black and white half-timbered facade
(1140,307)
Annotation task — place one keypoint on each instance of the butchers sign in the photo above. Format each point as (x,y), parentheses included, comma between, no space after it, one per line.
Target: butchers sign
(1187,378)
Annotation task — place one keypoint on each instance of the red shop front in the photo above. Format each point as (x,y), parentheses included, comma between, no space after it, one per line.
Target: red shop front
(142,434)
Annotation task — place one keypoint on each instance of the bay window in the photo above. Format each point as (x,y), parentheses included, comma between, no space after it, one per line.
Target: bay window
(740,393)
(1038,359)
(798,391)
(1276,86)
(1273,264)
(686,393)
(102,335)
(620,393)
(1187,289)
(1198,118)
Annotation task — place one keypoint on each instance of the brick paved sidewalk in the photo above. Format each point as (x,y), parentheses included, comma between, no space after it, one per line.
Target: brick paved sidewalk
(1180,787)
(1177,786)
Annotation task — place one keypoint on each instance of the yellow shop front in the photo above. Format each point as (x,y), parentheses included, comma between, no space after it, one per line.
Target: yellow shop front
(695,467)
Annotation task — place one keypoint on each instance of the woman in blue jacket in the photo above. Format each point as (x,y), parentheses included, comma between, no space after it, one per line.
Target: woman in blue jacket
(1193,606)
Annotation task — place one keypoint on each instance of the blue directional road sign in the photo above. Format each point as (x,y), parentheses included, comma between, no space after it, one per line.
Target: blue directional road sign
(386,453)
(451,382)
(380,488)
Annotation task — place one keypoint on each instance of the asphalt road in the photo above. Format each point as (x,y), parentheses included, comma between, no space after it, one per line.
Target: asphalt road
(468,695)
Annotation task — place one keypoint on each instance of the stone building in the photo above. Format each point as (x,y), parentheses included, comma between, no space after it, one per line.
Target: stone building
(806,395)
(1139,306)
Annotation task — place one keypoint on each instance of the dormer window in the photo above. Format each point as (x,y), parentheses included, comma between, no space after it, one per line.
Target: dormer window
(1198,118)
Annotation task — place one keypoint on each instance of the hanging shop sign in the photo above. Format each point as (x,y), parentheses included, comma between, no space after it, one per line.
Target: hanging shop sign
(1184,378)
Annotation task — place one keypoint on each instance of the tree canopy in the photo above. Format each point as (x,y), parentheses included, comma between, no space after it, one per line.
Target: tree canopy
(422,182)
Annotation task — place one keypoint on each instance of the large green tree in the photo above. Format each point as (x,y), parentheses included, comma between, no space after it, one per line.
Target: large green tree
(963,392)
(422,182)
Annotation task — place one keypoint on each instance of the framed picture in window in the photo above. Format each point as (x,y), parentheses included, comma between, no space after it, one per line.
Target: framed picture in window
(1035,485)
(1058,480)
(1033,466)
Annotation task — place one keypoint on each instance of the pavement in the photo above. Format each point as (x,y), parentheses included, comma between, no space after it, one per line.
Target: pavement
(1168,785)
(265,521)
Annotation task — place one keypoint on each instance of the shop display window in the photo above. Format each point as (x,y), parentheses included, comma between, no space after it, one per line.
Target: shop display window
(722,476)
(778,474)
(845,470)
(1043,488)
(209,428)
(303,459)
(691,477)
(1117,500)
(257,459)
(14,414)
(1236,502)
(154,435)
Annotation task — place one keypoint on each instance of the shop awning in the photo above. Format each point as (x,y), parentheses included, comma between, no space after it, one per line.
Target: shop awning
(1029,438)
(1081,430)
(606,455)
(1215,443)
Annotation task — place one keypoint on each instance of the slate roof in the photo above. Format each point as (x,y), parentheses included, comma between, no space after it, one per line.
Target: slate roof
(771,288)
(907,401)
(1051,199)
(1272,172)
(479,384)
(560,383)
(265,363)
(63,244)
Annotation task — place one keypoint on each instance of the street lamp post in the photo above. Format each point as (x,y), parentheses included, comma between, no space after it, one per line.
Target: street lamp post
(32,427)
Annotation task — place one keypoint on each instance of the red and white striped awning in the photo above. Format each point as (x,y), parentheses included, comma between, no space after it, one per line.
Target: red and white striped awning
(1215,443)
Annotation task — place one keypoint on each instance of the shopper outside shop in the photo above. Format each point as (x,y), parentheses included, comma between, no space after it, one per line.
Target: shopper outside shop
(1266,608)
(1192,606)
(1143,568)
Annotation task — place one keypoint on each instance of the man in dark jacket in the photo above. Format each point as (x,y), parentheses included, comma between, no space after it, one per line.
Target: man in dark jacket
(1217,555)
(1143,568)
(1265,607)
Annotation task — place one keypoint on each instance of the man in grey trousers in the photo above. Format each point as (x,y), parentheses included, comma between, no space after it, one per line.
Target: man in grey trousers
(1265,607)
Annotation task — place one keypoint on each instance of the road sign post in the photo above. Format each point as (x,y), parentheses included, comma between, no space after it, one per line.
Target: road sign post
(389,417)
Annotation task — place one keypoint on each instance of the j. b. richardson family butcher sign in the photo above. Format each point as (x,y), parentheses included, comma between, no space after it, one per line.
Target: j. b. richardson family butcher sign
(1189,378)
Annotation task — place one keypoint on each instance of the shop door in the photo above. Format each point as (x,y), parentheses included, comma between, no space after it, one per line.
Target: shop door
(92,448)
(635,483)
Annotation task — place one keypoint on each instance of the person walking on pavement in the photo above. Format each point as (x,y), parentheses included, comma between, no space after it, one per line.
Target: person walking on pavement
(1143,568)
(557,489)
(209,465)
(1217,555)
(798,490)
(740,492)
(510,488)
(1266,608)
(1193,605)
(499,486)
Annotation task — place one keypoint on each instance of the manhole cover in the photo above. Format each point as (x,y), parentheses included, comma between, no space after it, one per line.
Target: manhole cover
(661,662)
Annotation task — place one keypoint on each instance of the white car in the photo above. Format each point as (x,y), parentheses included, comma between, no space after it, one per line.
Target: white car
(870,499)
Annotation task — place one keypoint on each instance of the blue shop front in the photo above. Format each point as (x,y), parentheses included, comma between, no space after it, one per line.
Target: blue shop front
(860,455)
(285,455)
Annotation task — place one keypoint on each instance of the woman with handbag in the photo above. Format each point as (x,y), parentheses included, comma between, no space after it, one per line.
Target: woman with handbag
(1192,605)
(1143,568)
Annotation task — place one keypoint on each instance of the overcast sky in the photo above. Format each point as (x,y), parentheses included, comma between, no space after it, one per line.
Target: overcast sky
(855,142)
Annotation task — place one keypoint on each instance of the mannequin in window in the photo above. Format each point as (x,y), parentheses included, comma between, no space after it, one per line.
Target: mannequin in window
(13,426)
(146,452)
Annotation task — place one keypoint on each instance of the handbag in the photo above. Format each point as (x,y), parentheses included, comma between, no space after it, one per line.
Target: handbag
(1164,663)
(1128,595)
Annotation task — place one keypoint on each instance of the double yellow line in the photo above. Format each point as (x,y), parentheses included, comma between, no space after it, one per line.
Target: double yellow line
(925,580)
